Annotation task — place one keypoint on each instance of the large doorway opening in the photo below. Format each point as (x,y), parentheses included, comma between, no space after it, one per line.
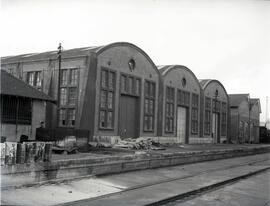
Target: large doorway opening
(181,124)
(129,117)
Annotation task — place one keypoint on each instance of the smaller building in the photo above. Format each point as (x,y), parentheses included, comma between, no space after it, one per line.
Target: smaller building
(22,108)
(244,118)
(214,111)
(179,105)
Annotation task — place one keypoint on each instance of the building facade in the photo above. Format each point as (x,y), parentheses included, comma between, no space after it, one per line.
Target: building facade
(180,95)
(214,111)
(112,90)
(245,116)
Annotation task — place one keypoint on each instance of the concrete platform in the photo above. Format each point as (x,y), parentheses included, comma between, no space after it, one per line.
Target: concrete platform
(84,165)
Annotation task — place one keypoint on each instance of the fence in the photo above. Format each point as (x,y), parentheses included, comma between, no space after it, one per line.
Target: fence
(27,152)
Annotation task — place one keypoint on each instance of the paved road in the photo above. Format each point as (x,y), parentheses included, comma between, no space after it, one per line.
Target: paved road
(139,186)
(253,191)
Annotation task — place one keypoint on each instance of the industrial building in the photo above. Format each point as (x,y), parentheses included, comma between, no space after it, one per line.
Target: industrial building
(116,92)
(244,118)
(180,94)
(215,110)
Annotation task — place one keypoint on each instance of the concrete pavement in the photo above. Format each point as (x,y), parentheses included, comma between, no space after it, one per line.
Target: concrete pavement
(137,187)
(253,191)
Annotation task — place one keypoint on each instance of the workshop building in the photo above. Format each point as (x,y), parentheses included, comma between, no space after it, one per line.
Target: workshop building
(214,111)
(179,115)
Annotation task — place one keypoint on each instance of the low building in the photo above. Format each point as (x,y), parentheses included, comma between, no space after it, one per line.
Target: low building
(179,106)
(22,108)
(245,116)
(214,111)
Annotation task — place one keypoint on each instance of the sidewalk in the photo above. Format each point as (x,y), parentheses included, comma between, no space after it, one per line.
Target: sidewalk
(110,161)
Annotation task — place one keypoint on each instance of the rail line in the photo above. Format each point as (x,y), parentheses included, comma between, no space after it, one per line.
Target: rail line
(130,189)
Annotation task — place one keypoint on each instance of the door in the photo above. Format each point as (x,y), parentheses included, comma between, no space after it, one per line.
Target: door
(129,117)
(215,129)
(181,124)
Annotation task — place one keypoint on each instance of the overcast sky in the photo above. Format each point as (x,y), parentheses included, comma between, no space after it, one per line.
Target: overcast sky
(224,40)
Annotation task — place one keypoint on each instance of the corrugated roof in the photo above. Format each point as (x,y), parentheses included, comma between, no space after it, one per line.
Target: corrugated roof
(49,54)
(13,86)
(236,99)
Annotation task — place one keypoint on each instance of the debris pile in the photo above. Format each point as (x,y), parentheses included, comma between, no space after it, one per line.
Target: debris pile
(138,144)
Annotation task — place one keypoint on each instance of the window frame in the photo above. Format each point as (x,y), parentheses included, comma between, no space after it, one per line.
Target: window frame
(194,114)
(146,114)
(169,104)
(68,105)
(107,89)
(207,113)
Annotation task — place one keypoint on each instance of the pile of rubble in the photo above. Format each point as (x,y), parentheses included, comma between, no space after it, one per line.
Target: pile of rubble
(138,144)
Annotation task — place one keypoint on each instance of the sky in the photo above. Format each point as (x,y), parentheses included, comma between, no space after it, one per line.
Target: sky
(227,40)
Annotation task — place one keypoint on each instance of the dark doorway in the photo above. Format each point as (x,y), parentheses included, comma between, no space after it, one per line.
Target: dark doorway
(129,117)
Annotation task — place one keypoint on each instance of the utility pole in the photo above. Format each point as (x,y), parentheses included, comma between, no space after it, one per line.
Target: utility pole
(266,112)
(216,115)
(59,57)
(249,111)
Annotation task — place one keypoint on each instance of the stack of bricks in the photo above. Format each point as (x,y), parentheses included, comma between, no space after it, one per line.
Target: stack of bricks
(27,152)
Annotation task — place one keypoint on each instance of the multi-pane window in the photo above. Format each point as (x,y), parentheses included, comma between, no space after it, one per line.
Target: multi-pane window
(107,95)
(183,98)
(169,111)
(64,77)
(68,97)
(216,105)
(63,96)
(149,105)
(34,79)
(194,113)
(223,118)
(207,116)
(73,76)
(241,130)
(130,85)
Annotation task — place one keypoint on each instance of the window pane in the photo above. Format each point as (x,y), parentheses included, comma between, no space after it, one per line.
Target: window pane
(146,106)
(104,80)
(123,83)
(111,80)
(102,119)
(38,79)
(63,96)
(138,83)
(72,95)
(151,107)
(146,123)
(110,100)
(130,85)
(64,77)
(62,117)
(30,78)
(103,100)
(74,76)
(110,120)
(151,123)
(71,117)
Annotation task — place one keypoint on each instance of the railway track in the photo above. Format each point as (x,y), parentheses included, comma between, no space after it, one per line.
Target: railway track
(262,162)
